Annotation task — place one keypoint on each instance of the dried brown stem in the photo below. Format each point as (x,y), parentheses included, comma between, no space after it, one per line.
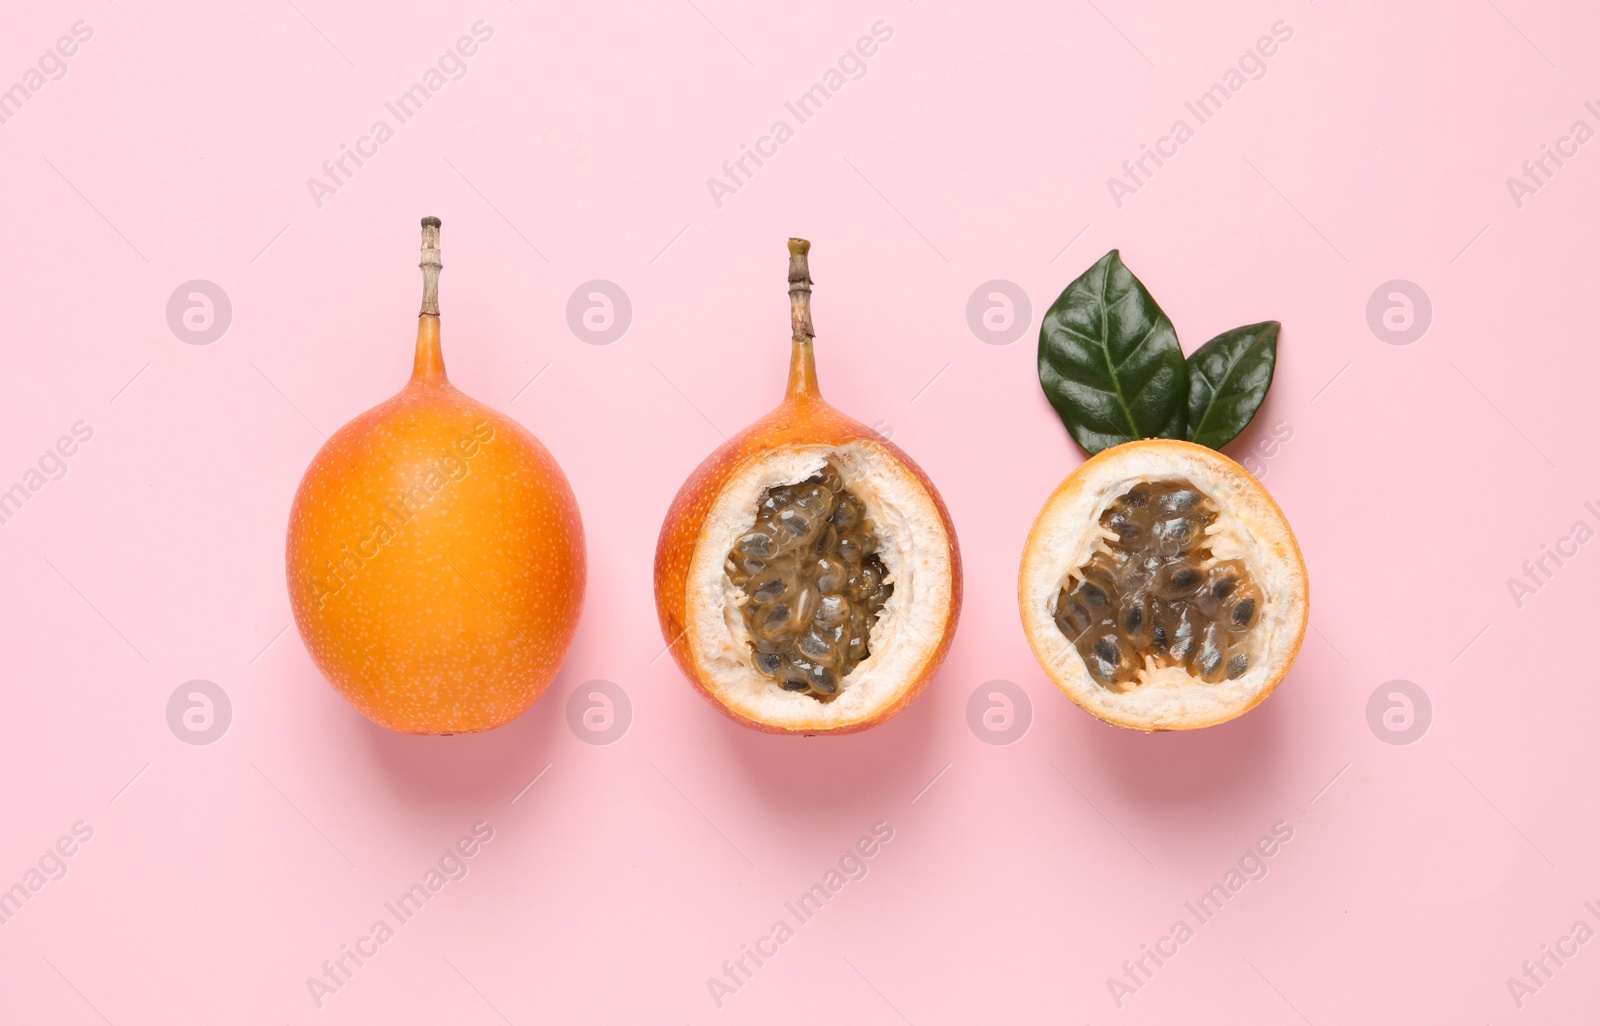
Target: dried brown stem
(431,265)
(800,290)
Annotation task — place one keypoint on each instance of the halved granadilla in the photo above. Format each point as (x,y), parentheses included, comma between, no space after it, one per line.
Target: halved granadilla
(1161,587)
(807,575)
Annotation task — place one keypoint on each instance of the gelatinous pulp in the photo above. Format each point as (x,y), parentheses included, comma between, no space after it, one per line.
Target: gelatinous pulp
(813,582)
(1153,592)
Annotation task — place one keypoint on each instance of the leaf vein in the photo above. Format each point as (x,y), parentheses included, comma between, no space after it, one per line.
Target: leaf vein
(1105,350)
(1218,399)
(1149,333)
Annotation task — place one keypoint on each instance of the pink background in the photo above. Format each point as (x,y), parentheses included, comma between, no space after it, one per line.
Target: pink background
(977,145)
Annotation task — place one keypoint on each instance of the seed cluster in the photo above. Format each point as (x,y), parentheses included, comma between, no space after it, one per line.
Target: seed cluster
(1154,590)
(813,581)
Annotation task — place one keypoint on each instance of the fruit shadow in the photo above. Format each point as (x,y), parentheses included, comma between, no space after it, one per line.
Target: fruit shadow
(809,781)
(448,770)
(1207,771)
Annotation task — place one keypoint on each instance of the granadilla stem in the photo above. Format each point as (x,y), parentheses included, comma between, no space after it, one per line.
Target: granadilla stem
(431,265)
(802,358)
(800,290)
(429,363)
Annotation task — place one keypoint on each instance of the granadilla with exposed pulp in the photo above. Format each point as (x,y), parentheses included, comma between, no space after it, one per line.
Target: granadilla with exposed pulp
(807,576)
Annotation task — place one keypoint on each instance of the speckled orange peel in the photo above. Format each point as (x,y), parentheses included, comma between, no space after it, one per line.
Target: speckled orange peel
(435,555)
(702,612)
(1161,587)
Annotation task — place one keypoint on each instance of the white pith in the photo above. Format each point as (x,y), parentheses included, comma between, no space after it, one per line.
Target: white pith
(917,558)
(1249,528)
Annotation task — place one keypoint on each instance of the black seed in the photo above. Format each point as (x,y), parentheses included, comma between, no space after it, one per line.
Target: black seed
(822,680)
(817,499)
(777,616)
(1132,620)
(1177,532)
(814,646)
(796,685)
(1160,639)
(769,663)
(1210,659)
(794,522)
(1244,612)
(1185,577)
(1237,665)
(1093,594)
(1124,526)
(756,543)
(1106,648)
(1223,588)
(1075,616)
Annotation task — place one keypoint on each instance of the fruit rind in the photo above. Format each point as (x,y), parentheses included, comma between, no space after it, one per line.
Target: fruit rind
(1252,528)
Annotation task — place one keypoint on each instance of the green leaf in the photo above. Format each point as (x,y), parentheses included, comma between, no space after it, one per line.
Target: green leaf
(1228,378)
(1109,360)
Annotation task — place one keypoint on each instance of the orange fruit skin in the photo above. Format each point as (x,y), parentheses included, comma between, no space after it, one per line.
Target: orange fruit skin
(436,562)
(802,419)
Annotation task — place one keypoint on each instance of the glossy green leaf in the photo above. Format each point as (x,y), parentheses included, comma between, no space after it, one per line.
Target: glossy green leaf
(1109,360)
(1228,378)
